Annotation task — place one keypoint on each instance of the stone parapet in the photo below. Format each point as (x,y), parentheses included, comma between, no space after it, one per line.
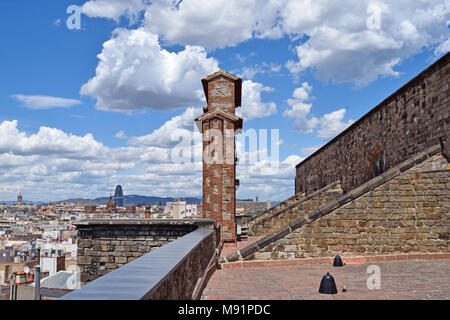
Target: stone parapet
(173,271)
(105,245)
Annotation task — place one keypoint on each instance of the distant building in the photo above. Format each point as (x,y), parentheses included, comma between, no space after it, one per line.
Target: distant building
(147,212)
(180,209)
(19,198)
(118,196)
(90,208)
(130,209)
(253,206)
(111,205)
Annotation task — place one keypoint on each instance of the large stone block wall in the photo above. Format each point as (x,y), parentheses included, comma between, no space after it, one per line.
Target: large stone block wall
(181,283)
(107,245)
(178,270)
(271,222)
(408,214)
(412,119)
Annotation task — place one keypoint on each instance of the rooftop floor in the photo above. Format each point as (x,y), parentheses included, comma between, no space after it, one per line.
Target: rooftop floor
(229,248)
(403,280)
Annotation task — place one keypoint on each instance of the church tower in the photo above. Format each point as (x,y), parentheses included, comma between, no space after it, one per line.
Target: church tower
(219,125)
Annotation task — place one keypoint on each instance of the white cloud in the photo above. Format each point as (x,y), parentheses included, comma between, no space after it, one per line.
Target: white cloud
(325,127)
(443,48)
(121,135)
(332,123)
(358,41)
(347,41)
(249,72)
(134,72)
(53,160)
(171,132)
(267,179)
(309,150)
(252,105)
(212,24)
(300,109)
(47,141)
(12,160)
(44,102)
(113,9)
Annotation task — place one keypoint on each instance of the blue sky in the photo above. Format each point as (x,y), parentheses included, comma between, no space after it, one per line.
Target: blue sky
(84,110)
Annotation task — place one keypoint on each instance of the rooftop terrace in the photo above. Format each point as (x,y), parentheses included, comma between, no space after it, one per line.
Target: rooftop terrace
(400,280)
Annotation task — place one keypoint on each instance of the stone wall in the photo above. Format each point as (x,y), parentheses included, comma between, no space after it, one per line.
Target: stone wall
(182,281)
(106,245)
(273,220)
(408,214)
(412,119)
(177,270)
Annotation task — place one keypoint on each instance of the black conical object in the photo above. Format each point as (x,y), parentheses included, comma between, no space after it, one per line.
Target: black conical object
(327,285)
(337,262)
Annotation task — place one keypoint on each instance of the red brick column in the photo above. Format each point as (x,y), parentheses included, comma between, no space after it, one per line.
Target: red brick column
(219,124)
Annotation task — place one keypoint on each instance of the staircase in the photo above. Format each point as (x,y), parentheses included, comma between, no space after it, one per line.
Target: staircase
(244,232)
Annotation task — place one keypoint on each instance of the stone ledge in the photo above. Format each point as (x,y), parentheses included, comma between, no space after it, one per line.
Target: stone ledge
(329,260)
(273,237)
(248,250)
(99,222)
(390,174)
(345,198)
(421,157)
(285,207)
(356,193)
(143,277)
(446,149)
(405,165)
(297,223)
(434,150)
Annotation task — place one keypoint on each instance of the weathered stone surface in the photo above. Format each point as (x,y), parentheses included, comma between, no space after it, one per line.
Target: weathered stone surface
(115,243)
(233,257)
(292,209)
(409,121)
(407,214)
(273,237)
(249,250)
(297,223)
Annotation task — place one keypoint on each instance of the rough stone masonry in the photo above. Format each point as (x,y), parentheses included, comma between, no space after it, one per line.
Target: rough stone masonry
(415,117)
(105,245)
(219,124)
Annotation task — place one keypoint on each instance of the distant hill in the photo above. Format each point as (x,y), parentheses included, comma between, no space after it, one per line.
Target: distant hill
(130,200)
(26,202)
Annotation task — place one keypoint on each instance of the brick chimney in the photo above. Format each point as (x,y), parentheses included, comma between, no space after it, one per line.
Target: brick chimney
(147,211)
(219,125)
